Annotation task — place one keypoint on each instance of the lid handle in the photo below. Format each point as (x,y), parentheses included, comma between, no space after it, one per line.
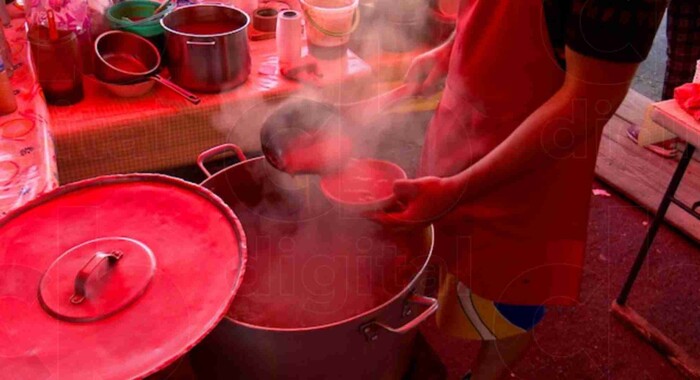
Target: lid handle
(89,268)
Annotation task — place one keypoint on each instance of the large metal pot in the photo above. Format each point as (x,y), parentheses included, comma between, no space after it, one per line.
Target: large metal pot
(373,343)
(207,46)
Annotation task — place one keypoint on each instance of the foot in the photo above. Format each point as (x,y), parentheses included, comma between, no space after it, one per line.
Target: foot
(666,149)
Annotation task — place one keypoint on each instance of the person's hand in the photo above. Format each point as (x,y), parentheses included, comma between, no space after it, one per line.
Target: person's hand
(420,202)
(428,70)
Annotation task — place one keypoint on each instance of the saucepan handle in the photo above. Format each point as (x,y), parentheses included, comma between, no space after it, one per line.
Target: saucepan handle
(396,95)
(370,330)
(179,90)
(366,109)
(209,153)
(79,293)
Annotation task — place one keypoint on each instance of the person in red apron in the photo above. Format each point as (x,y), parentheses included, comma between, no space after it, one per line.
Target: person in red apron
(508,160)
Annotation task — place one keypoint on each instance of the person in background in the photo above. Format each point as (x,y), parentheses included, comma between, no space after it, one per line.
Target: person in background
(508,160)
(683,35)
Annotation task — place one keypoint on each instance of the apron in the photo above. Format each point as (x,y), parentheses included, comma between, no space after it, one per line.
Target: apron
(522,243)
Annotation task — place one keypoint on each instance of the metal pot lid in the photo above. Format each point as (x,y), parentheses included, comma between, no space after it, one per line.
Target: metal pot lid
(114,277)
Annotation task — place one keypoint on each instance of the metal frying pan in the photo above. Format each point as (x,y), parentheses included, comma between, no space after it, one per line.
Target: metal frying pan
(126,58)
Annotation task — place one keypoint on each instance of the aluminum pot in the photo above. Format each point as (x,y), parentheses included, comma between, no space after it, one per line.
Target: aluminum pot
(207,47)
(373,344)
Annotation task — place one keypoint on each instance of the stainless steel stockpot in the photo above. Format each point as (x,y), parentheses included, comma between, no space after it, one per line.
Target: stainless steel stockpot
(371,343)
(207,47)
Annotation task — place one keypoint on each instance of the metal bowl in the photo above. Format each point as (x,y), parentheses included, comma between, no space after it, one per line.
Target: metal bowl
(336,186)
(124,57)
(131,90)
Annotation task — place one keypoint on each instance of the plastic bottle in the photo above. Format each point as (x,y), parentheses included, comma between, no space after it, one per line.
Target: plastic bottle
(8,104)
(4,14)
(6,53)
(697,73)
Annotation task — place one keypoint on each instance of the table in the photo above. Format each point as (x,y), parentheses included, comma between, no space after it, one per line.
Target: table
(669,115)
(104,134)
(27,161)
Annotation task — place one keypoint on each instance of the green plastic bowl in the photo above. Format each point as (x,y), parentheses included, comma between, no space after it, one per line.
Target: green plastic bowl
(134,10)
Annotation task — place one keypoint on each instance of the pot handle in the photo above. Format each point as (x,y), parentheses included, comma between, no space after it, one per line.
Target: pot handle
(194,99)
(201,43)
(209,153)
(79,294)
(431,304)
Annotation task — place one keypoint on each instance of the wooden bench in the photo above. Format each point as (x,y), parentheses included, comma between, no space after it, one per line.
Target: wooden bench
(641,175)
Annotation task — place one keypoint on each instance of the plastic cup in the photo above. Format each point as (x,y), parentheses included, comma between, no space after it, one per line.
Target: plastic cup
(329,24)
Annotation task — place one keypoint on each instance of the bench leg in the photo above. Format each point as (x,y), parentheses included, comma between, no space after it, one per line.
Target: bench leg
(656,223)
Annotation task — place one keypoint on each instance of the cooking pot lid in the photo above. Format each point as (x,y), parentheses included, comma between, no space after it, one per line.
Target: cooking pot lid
(114,277)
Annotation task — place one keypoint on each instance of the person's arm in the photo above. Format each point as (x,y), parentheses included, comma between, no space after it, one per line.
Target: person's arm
(592,92)
(604,49)
(429,69)
(423,77)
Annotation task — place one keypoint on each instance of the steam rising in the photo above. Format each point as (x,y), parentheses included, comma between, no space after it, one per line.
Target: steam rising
(311,263)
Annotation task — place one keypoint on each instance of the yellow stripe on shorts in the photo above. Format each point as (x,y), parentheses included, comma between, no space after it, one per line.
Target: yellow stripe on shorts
(465,315)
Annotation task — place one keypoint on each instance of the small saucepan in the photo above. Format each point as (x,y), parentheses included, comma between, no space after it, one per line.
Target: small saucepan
(125,58)
(130,90)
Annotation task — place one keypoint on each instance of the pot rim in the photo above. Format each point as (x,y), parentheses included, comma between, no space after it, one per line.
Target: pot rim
(179,33)
(129,73)
(344,8)
(401,294)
